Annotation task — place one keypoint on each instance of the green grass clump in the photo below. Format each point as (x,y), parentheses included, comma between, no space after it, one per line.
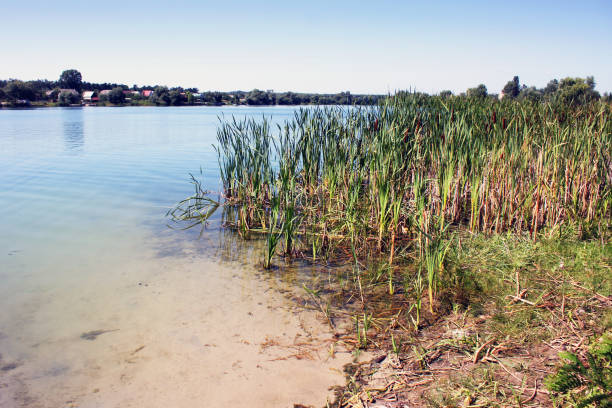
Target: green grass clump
(552,272)
(585,383)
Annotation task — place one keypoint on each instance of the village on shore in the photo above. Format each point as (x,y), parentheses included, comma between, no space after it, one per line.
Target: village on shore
(71,90)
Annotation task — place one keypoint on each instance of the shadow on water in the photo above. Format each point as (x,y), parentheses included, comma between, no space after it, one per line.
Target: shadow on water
(74,134)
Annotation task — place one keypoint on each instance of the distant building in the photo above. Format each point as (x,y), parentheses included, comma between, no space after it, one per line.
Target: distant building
(105,92)
(147,93)
(88,96)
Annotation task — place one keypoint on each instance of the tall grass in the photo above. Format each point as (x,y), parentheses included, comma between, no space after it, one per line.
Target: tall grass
(488,166)
(407,172)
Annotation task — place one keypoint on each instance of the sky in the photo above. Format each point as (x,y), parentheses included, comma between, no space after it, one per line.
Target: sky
(309,46)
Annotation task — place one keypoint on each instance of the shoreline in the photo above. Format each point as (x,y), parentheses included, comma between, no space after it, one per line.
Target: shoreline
(491,348)
(155,333)
(506,303)
(36,106)
(453,261)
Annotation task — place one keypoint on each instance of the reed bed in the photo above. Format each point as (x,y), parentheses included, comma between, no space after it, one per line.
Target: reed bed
(399,183)
(416,168)
(393,190)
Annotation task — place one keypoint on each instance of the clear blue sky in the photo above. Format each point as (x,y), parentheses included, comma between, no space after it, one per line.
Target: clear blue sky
(310,46)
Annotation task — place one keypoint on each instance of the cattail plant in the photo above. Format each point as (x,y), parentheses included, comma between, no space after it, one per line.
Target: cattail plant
(378,180)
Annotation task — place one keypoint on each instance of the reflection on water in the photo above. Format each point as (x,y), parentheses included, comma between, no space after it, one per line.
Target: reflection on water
(74,135)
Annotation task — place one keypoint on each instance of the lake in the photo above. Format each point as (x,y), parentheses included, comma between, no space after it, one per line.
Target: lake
(103,305)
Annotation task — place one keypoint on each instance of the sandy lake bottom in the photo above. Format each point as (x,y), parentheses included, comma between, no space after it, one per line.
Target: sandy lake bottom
(171,331)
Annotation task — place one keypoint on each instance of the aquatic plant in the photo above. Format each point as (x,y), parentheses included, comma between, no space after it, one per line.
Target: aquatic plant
(392,191)
(372,169)
(399,177)
(195,209)
(273,235)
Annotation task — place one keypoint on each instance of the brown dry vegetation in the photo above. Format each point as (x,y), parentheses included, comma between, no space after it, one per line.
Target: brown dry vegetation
(492,347)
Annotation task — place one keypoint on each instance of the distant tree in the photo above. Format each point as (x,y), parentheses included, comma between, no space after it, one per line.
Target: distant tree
(367,99)
(446,94)
(218,98)
(163,99)
(159,90)
(19,90)
(344,98)
(287,98)
(257,97)
(212,98)
(72,79)
(40,86)
(160,96)
(531,94)
(116,96)
(176,98)
(512,88)
(67,98)
(607,97)
(590,81)
(551,88)
(479,92)
(326,100)
(577,91)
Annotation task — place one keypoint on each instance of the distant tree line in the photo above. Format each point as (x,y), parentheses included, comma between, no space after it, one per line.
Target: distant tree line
(572,91)
(46,92)
(567,91)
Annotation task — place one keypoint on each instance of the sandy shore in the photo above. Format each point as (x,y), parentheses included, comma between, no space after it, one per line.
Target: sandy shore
(168,332)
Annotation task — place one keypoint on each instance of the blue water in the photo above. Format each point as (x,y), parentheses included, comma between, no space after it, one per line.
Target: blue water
(85,191)
(76,176)
(85,245)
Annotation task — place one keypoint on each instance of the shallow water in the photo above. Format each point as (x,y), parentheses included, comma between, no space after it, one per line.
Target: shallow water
(103,305)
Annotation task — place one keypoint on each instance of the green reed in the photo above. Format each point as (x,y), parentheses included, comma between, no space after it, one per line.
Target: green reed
(195,209)
(389,178)
(273,235)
